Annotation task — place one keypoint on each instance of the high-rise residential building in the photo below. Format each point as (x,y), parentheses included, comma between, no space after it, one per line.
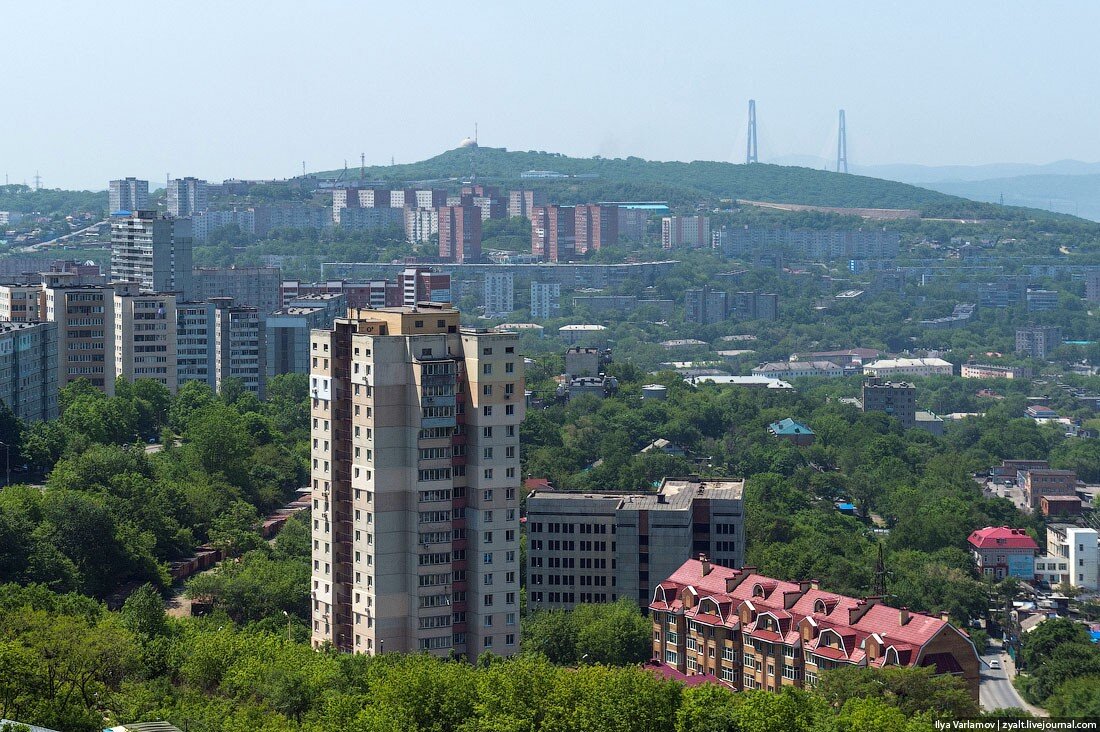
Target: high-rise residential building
(545,299)
(498,294)
(28,369)
(288,331)
(256,287)
(685,231)
(553,232)
(459,234)
(595,226)
(896,398)
(415,476)
(1092,285)
(599,547)
(22,303)
(705,306)
(239,349)
(187,197)
(750,631)
(152,250)
(145,345)
(422,284)
(195,343)
(756,305)
(1038,341)
(85,330)
(128,194)
(421,224)
(521,204)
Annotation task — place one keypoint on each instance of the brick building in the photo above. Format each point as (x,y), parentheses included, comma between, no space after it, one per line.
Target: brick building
(754,632)
(1001,552)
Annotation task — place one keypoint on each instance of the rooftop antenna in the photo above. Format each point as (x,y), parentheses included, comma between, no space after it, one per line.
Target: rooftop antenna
(879,587)
(750,146)
(362,166)
(303,168)
(842,147)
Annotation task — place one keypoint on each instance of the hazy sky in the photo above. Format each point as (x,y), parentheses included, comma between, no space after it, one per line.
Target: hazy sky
(95,90)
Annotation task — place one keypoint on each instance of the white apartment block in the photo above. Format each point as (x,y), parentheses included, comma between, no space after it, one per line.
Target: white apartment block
(889,367)
(498,293)
(415,477)
(545,300)
(187,197)
(152,250)
(1072,557)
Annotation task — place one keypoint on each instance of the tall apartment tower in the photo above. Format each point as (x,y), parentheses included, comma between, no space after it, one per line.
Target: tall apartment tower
(896,398)
(415,475)
(685,231)
(128,194)
(187,197)
(1038,341)
(521,204)
(460,233)
(195,343)
(553,232)
(152,250)
(145,335)
(499,293)
(240,350)
(595,226)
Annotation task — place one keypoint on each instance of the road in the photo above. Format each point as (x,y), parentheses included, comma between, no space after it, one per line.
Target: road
(995,690)
(44,244)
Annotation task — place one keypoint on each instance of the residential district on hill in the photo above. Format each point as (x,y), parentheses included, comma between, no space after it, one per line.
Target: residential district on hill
(518,441)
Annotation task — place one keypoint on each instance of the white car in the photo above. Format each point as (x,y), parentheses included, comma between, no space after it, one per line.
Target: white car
(994,663)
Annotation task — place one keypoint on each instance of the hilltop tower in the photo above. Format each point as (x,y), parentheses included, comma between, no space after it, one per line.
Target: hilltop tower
(842,147)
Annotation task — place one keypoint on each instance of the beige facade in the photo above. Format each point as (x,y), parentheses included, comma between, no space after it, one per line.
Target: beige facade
(415,470)
(145,336)
(85,331)
(22,303)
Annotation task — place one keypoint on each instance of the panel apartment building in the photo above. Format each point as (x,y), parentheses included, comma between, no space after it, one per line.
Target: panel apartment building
(28,369)
(585,547)
(152,250)
(755,632)
(415,476)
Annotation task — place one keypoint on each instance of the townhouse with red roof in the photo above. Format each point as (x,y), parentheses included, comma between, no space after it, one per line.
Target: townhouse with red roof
(750,631)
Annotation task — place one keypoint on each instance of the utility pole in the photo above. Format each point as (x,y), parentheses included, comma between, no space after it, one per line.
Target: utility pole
(842,147)
(750,143)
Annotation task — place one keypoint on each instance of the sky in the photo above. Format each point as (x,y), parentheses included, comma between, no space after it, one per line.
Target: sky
(99,90)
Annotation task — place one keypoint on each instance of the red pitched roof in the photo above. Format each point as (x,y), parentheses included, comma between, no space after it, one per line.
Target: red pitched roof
(1001,536)
(873,618)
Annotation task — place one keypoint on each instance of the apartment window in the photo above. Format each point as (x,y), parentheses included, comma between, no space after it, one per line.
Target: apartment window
(418,324)
(509,494)
(486,351)
(509,367)
(509,409)
(487,390)
(510,430)
(487,369)
(488,411)
(487,558)
(510,639)
(510,619)
(510,451)
(487,453)
(488,473)
(487,601)
(672,657)
(487,516)
(486,431)
(488,578)
(510,598)
(510,472)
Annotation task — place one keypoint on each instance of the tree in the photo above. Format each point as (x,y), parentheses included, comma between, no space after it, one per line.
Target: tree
(615,634)
(1042,641)
(1078,697)
(235,530)
(911,690)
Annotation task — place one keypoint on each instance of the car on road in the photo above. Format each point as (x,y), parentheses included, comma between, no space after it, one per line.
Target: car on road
(994,663)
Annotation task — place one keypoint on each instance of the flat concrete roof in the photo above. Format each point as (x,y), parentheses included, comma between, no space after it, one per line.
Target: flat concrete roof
(677,494)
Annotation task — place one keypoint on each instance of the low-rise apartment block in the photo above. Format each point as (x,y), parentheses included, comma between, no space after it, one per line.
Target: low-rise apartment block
(889,367)
(896,398)
(1040,482)
(599,547)
(1071,557)
(986,371)
(750,631)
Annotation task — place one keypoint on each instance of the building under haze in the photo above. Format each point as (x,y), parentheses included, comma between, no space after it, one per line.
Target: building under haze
(415,478)
(128,194)
(187,197)
(153,251)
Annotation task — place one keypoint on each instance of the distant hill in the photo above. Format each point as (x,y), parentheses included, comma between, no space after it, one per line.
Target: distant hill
(1072,194)
(683,184)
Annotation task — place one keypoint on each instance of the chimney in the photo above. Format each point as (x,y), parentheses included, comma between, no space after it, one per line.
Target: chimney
(857,612)
(804,586)
(735,580)
(903,616)
(791,597)
(945,617)
(705,563)
(815,584)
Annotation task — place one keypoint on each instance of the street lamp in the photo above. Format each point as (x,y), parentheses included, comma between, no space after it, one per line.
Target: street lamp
(7,462)
(288,638)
